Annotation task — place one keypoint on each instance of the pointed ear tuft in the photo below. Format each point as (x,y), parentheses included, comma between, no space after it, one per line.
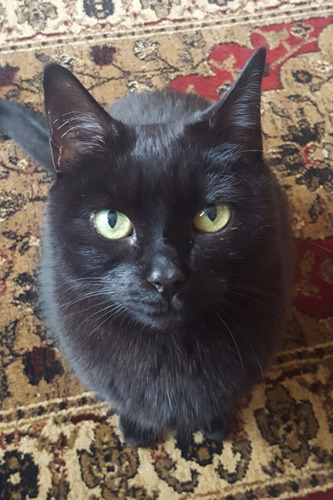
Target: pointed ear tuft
(237,116)
(78,124)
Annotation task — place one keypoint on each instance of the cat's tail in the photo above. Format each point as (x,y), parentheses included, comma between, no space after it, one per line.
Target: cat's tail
(29,129)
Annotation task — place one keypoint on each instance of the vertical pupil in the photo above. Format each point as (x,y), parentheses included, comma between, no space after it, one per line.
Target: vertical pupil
(112,219)
(211,212)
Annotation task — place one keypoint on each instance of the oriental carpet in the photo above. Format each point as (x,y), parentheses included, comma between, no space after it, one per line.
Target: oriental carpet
(56,440)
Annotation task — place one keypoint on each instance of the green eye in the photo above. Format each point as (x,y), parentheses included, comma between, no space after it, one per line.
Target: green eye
(212,218)
(111,224)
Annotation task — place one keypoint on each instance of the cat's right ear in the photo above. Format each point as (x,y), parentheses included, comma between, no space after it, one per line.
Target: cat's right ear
(78,124)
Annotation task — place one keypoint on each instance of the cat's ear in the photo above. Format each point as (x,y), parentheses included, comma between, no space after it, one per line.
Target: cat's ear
(78,124)
(236,117)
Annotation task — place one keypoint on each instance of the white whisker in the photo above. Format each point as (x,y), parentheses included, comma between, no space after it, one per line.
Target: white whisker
(248,342)
(234,340)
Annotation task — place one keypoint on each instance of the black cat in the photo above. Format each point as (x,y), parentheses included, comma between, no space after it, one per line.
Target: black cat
(167,248)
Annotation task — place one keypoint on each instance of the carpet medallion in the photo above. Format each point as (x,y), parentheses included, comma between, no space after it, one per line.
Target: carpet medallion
(56,440)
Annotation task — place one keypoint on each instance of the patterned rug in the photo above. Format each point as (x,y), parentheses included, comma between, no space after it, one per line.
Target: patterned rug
(56,440)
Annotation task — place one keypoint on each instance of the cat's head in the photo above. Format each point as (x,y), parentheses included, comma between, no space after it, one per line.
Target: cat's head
(156,221)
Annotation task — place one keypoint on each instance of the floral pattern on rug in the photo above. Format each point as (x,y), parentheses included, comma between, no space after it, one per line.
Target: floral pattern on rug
(23,20)
(56,440)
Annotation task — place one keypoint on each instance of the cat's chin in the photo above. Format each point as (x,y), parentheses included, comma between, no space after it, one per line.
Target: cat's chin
(168,323)
(166,320)
(162,322)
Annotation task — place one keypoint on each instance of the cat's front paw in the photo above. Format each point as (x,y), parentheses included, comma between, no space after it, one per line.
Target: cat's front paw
(216,431)
(137,435)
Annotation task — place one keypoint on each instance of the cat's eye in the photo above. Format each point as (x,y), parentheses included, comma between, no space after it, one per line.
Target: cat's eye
(111,224)
(213,218)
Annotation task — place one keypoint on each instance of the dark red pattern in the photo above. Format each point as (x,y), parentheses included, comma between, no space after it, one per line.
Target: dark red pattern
(314,290)
(102,55)
(227,59)
(7,75)
(41,363)
(76,419)
(320,495)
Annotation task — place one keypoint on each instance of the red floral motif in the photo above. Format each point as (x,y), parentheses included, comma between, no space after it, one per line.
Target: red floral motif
(314,278)
(6,255)
(27,167)
(41,363)
(7,75)
(3,287)
(102,55)
(283,41)
(309,155)
(159,454)
(58,470)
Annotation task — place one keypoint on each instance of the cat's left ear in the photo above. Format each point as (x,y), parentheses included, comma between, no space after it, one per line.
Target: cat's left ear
(236,118)
(78,124)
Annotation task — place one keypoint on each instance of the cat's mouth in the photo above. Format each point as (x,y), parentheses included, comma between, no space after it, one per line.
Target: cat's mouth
(166,321)
(163,315)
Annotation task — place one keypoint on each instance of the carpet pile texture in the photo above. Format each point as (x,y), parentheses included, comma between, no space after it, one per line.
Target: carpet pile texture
(56,440)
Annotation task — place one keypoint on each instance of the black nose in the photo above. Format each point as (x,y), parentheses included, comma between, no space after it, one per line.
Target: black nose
(166,278)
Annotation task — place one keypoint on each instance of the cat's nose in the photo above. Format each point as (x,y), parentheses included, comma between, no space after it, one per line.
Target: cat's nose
(167,281)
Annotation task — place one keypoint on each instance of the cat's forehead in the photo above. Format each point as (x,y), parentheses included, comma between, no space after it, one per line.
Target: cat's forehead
(161,167)
(154,171)
(164,165)
(160,141)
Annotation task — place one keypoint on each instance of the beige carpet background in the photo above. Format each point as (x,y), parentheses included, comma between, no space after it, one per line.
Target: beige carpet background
(56,440)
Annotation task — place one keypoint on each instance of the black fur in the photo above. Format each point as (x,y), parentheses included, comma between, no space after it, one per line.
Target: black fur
(169,324)
(29,129)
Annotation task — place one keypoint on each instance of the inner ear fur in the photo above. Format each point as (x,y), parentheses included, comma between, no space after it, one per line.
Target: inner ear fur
(78,124)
